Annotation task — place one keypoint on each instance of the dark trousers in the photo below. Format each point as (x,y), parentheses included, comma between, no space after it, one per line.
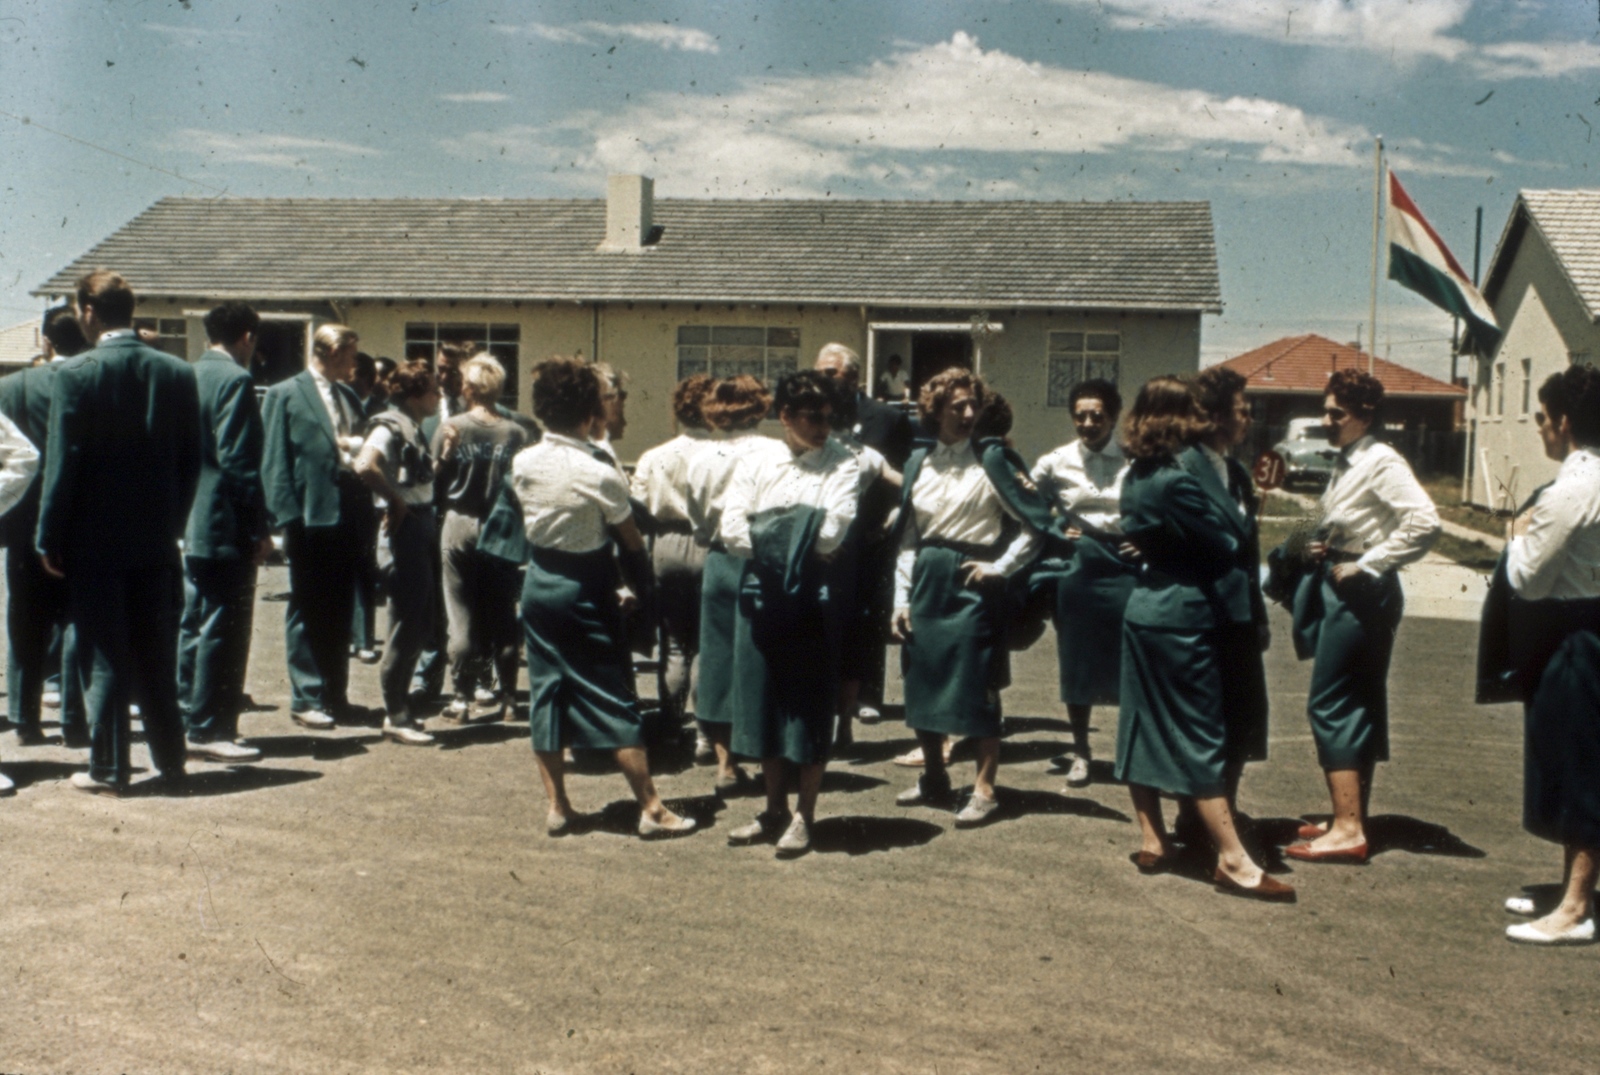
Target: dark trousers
(363,623)
(322,590)
(127,625)
(214,645)
(36,627)
(413,605)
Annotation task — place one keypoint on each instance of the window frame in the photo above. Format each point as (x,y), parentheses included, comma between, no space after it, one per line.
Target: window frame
(1091,348)
(491,336)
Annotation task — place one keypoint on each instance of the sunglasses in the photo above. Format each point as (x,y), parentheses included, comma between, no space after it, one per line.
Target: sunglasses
(1084,418)
(1541,419)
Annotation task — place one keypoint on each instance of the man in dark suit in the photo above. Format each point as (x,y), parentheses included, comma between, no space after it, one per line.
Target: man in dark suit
(228,537)
(40,642)
(313,423)
(122,463)
(877,425)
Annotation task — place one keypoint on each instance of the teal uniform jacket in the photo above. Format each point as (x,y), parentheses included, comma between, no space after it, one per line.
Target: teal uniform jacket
(229,517)
(1171,733)
(122,458)
(300,464)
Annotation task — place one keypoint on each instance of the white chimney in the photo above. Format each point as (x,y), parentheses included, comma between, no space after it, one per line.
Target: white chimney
(629,199)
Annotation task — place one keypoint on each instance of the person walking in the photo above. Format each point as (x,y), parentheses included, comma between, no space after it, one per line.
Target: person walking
(227,538)
(124,458)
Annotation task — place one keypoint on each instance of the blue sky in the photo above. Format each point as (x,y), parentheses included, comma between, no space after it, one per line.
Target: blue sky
(1265,108)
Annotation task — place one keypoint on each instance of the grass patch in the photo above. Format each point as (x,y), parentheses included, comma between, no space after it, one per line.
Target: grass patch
(1446,494)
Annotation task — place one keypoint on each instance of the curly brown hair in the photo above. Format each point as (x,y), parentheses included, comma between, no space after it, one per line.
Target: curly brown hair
(941,386)
(409,380)
(566,393)
(736,403)
(687,397)
(1166,418)
(1357,391)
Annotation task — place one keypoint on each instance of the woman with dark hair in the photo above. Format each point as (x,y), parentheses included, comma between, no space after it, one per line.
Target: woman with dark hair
(660,481)
(787,515)
(580,675)
(1376,519)
(1084,480)
(1553,565)
(733,407)
(949,595)
(396,464)
(1171,735)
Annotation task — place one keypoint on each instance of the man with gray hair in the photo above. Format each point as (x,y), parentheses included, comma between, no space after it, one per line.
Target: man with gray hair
(877,425)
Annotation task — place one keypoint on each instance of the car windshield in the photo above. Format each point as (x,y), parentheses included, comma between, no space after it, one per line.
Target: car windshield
(1316,432)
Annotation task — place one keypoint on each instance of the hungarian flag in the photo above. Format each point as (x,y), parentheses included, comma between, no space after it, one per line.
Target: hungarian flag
(1419,260)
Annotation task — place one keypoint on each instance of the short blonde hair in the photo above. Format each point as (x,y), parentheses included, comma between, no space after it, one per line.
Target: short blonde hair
(330,337)
(482,378)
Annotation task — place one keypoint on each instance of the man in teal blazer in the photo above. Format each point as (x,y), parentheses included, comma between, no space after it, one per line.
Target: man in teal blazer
(122,463)
(312,422)
(229,535)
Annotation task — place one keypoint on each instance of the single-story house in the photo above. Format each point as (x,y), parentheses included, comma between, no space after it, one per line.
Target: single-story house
(1543,283)
(1288,378)
(1037,295)
(20,344)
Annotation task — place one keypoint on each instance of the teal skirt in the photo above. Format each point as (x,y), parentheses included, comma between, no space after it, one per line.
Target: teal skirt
(786,669)
(1170,729)
(1350,634)
(1090,600)
(1561,762)
(580,674)
(955,662)
(715,699)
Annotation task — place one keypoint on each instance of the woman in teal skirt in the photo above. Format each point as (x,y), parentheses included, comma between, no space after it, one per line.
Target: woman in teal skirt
(789,515)
(580,676)
(960,540)
(1171,732)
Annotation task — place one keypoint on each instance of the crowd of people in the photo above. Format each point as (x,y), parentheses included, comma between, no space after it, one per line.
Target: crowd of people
(767,574)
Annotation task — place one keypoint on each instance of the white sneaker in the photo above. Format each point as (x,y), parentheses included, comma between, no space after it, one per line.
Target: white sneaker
(1520,905)
(50,699)
(1078,773)
(457,711)
(796,840)
(315,719)
(6,786)
(485,696)
(223,751)
(408,734)
(868,715)
(979,809)
(651,829)
(1528,933)
(367,656)
(704,752)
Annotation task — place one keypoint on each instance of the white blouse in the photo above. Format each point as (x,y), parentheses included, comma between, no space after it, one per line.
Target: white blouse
(568,496)
(871,462)
(954,501)
(1375,508)
(1087,483)
(710,472)
(19,461)
(827,477)
(1559,556)
(661,477)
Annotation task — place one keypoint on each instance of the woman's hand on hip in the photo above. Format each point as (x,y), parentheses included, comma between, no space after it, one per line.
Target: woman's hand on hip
(900,624)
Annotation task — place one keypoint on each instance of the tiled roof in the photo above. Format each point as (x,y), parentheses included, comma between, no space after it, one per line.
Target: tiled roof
(1569,220)
(1304,364)
(1119,255)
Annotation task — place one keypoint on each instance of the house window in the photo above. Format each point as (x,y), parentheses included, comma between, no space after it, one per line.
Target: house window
(766,354)
(1527,386)
(504,342)
(172,334)
(1080,356)
(1499,389)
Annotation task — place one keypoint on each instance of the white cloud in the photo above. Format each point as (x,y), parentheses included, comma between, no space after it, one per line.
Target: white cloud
(194,36)
(1537,59)
(476,97)
(271,150)
(807,135)
(592,32)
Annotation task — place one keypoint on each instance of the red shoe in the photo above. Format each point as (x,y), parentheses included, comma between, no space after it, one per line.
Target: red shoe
(1310,831)
(1270,888)
(1349,856)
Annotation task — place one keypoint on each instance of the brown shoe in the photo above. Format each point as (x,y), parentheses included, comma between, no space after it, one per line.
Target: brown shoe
(1269,889)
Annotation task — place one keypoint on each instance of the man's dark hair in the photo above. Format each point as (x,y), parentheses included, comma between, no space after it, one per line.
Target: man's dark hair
(1097,388)
(366,368)
(994,420)
(110,296)
(805,390)
(1358,392)
(1216,386)
(227,323)
(1575,393)
(62,329)
(566,393)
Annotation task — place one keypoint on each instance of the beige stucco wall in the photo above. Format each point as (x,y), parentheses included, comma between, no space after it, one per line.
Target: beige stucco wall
(1544,323)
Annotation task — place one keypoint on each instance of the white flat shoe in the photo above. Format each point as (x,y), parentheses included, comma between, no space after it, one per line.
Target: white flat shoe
(796,840)
(651,829)
(1078,774)
(1528,933)
(978,810)
(1520,905)
(406,734)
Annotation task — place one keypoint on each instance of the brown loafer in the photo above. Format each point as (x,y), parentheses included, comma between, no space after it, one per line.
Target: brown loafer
(1270,889)
(1149,863)
(1348,856)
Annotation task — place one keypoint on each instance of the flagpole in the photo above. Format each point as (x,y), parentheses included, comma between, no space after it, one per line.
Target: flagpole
(1377,225)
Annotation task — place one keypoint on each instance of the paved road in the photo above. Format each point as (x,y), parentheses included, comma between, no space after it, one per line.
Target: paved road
(354,906)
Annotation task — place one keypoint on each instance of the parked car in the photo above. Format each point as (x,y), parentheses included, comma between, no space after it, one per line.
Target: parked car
(1306,450)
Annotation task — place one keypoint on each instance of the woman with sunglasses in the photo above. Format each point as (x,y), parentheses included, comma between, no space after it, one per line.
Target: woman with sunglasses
(1376,518)
(787,514)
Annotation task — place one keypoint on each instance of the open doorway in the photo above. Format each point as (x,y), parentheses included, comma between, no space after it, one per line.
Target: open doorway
(280,350)
(934,352)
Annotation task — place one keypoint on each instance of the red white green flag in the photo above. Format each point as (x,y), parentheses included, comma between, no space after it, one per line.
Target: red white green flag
(1419,260)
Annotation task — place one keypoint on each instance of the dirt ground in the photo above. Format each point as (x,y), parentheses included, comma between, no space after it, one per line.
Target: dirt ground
(351,905)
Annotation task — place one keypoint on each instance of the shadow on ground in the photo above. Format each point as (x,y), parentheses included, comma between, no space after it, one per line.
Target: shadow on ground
(316,747)
(853,835)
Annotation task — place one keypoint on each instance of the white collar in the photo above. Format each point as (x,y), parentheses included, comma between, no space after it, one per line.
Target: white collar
(951,451)
(584,446)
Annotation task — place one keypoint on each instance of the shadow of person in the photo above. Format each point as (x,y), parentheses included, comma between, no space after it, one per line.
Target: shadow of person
(670,749)
(207,782)
(1028,725)
(317,747)
(875,751)
(1014,752)
(847,783)
(472,735)
(1397,832)
(26,773)
(1015,803)
(855,835)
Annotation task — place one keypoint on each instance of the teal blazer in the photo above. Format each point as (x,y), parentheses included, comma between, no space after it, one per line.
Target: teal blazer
(122,458)
(25,399)
(230,509)
(1187,545)
(1240,589)
(300,465)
